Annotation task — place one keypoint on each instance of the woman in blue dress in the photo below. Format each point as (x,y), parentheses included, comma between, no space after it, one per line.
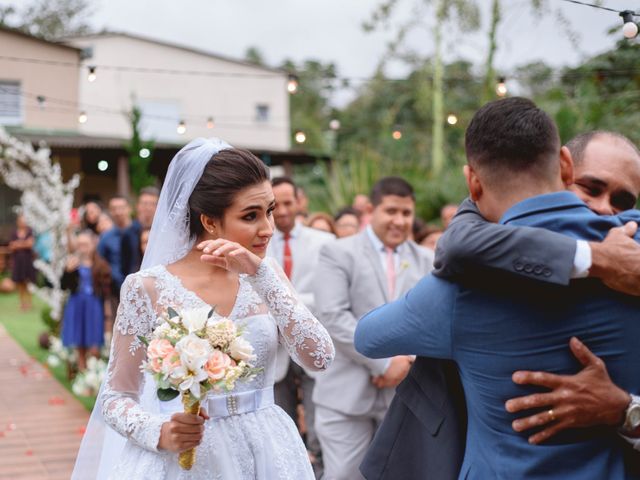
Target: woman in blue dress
(88,279)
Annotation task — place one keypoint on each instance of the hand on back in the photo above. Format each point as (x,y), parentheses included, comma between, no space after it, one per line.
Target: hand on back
(616,261)
(395,373)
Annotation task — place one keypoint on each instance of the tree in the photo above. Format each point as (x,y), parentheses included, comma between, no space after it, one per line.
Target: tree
(254,55)
(310,107)
(140,155)
(50,19)
(465,13)
(538,8)
(5,15)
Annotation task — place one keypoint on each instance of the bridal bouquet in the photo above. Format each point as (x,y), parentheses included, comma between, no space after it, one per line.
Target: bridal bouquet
(190,353)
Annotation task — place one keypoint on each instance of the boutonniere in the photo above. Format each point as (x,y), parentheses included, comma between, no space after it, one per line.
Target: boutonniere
(404,265)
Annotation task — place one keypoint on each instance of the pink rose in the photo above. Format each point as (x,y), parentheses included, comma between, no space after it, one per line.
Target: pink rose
(217,365)
(157,352)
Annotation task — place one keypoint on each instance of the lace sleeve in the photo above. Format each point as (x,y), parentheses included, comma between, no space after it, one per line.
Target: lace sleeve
(304,337)
(124,380)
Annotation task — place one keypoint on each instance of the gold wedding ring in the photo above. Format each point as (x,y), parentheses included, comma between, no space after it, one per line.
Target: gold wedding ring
(552,415)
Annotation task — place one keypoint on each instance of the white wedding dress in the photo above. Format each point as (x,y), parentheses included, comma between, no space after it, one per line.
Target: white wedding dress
(247,437)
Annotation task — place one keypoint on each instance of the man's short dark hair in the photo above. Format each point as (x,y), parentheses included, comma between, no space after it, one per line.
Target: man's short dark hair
(117,197)
(390,186)
(150,190)
(346,211)
(512,136)
(285,180)
(578,144)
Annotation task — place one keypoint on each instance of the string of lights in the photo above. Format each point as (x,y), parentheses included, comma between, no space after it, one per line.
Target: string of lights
(292,86)
(155,70)
(629,27)
(68,106)
(43,100)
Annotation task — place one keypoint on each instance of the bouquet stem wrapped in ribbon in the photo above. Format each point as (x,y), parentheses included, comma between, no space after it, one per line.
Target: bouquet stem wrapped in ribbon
(188,458)
(191,353)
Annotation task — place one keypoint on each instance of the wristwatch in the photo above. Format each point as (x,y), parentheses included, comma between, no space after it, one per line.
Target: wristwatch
(632,415)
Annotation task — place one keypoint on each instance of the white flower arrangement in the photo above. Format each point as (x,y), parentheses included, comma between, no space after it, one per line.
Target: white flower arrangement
(46,205)
(191,352)
(87,383)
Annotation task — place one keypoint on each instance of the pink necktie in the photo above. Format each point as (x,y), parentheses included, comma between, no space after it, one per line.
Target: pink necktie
(287,257)
(391,273)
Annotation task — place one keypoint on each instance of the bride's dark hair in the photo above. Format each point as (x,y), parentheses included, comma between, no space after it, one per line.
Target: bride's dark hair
(228,172)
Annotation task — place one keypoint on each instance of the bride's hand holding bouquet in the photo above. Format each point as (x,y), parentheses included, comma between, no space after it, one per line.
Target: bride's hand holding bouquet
(189,354)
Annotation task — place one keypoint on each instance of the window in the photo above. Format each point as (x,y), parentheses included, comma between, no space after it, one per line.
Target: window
(262,113)
(10,103)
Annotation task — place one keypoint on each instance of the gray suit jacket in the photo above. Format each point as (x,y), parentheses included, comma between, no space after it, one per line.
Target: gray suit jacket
(350,282)
(471,243)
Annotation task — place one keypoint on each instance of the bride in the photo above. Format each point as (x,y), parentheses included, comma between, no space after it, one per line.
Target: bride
(206,248)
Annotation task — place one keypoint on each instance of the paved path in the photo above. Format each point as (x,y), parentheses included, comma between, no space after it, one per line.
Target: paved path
(41,424)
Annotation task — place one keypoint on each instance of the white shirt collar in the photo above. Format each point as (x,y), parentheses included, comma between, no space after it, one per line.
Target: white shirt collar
(377,243)
(292,234)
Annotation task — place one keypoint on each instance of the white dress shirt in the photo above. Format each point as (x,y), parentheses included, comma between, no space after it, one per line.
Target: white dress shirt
(382,250)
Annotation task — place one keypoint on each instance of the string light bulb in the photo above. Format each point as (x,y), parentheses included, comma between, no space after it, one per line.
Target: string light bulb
(182,128)
(210,123)
(630,28)
(41,101)
(300,137)
(144,153)
(91,77)
(292,84)
(82,118)
(334,124)
(501,87)
(396,134)
(452,119)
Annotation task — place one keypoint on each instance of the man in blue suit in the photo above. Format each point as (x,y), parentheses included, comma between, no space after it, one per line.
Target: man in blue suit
(492,327)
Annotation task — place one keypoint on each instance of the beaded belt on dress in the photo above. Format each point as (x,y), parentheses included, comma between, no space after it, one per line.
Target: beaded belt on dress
(237,403)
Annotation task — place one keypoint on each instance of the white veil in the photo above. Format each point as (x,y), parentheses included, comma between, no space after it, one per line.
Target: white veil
(168,242)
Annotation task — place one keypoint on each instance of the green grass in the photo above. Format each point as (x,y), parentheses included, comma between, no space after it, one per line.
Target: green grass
(25,328)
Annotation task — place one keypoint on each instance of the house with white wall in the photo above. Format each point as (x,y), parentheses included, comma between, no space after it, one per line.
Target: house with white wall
(182,92)
(76,96)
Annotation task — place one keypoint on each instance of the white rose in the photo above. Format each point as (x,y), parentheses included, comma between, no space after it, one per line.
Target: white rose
(194,352)
(78,388)
(92,363)
(162,331)
(195,319)
(91,380)
(240,349)
(53,361)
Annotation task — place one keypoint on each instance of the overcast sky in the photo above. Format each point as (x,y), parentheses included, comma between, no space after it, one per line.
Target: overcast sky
(331,30)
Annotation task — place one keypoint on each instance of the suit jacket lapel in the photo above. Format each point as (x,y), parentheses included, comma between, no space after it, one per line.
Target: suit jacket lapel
(402,273)
(374,258)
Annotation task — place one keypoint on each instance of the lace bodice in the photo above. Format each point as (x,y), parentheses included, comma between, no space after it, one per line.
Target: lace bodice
(266,306)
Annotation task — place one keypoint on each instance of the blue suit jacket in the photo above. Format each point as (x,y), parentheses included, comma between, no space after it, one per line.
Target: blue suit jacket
(491,327)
